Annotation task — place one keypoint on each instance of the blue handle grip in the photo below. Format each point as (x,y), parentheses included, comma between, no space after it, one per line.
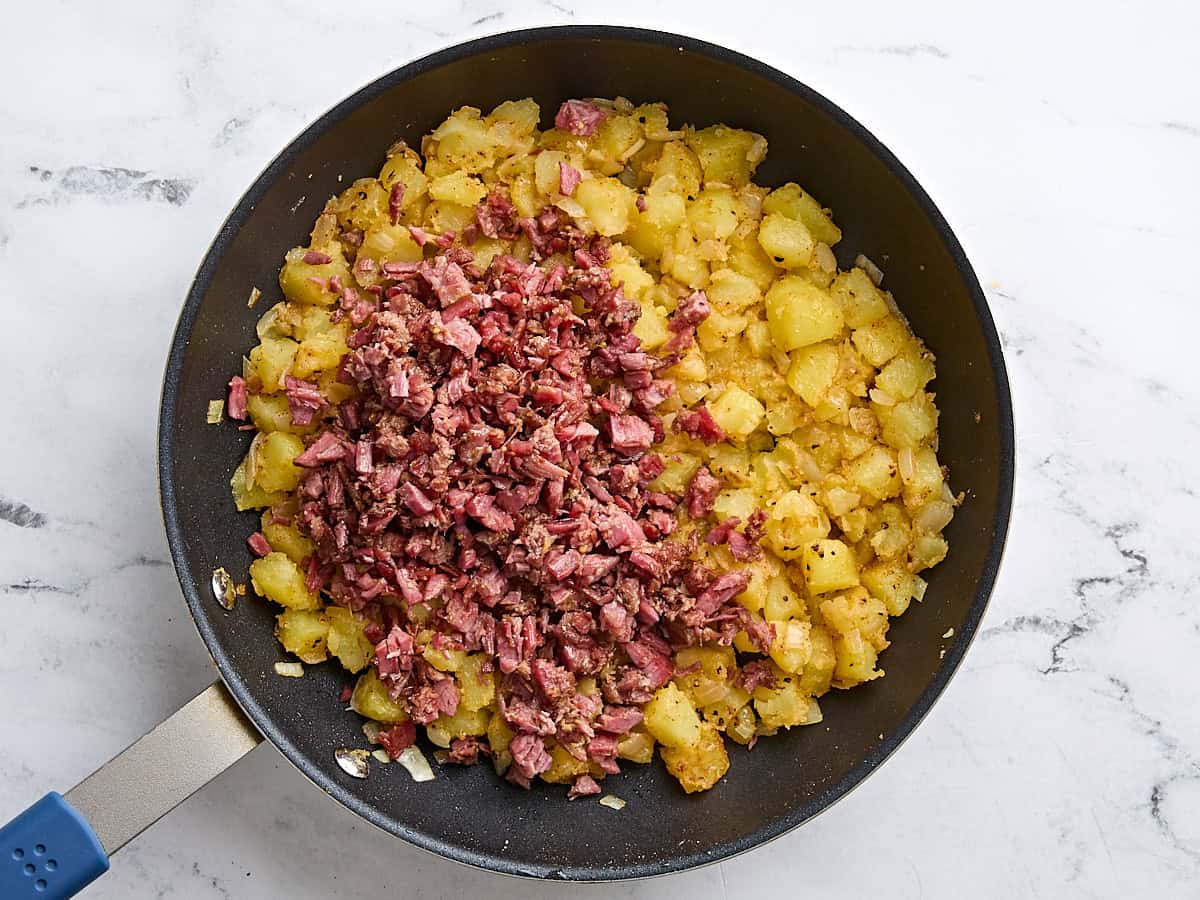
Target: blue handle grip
(49,852)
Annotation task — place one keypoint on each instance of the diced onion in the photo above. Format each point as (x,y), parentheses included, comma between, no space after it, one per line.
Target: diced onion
(416,763)
(381,755)
(371,731)
(883,398)
(216,412)
(255,296)
(289,669)
(711,692)
(919,586)
(873,271)
(824,258)
(933,516)
(612,802)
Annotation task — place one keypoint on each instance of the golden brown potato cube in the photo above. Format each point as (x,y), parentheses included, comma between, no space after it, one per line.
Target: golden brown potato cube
(476,688)
(463,142)
(303,632)
(792,201)
(444,659)
(671,718)
(346,640)
(783,602)
(812,371)
(280,580)
(615,141)
(626,271)
(305,282)
(680,467)
(287,539)
(251,496)
(817,676)
(372,699)
(457,187)
(608,204)
(727,155)
(829,565)
(710,682)
(737,412)
(564,768)
(499,734)
(927,551)
(875,473)
(700,765)
(361,205)
(907,372)
(636,747)
(800,313)
(747,257)
(794,521)
(390,243)
(922,477)
(271,361)
(318,354)
(464,723)
(713,215)
(404,167)
(880,340)
(862,302)
(271,461)
(271,412)
(442,216)
(679,163)
(909,423)
(786,241)
(891,582)
(730,291)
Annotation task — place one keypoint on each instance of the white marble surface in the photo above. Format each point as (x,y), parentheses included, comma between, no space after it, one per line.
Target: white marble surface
(1064,760)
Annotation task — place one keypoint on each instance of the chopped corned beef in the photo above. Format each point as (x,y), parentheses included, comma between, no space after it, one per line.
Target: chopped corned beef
(236,407)
(579,117)
(486,488)
(258,543)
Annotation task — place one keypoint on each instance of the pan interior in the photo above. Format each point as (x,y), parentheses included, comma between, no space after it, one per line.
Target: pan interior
(468,814)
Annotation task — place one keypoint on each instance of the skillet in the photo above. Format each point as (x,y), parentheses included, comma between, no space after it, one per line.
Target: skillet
(467,814)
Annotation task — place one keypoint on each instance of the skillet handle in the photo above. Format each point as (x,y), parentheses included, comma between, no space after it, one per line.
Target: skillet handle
(59,845)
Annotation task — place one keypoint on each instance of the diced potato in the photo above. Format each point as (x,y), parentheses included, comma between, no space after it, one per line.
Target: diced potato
(287,539)
(782,705)
(654,227)
(891,582)
(730,463)
(671,718)
(444,659)
(564,768)
(271,361)
(302,632)
(270,412)
(812,371)
(251,496)
(547,172)
(464,142)
(477,688)
(713,214)
(862,302)
(346,640)
(800,313)
(731,291)
(499,734)
(458,187)
(636,747)
(737,412)
(390,243)
(607,203)
(782,601)
(272,456)
(464,723)
(880,340)
(739,502)
(280,580)
(791,647)
(651,327)
(786,241)
(794,522)
(719,329)
(372,699)
(747,257)
(927,551)
(700,765)
(304,282)
(442,216)
(829,565)
(875,473)
(923,479)
(727,155)
(628,272)
(817,676)
(678,162)
(792,201)
(680,467)
(691,368)
(710,682)
(404,167)
(318,354)
(685,263)
(907,372)
(909,423)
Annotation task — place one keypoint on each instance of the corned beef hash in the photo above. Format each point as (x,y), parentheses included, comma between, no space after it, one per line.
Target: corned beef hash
(574,443)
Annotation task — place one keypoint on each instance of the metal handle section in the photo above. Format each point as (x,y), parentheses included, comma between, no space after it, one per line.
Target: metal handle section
(160,770)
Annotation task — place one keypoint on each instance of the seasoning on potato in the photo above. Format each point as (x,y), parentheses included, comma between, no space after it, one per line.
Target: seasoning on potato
(574,443)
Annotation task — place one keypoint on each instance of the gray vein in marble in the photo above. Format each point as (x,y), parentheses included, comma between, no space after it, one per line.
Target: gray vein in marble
(230,129)
(109,183)
(37,586)
(558,7)
(909,50)
(20,515)
(1182,127)
(218,884)
(490,17)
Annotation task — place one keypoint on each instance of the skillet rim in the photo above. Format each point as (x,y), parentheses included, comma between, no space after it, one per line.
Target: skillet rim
(194,593)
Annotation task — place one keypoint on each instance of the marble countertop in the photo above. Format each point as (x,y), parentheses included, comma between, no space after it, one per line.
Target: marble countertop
(1063,761)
